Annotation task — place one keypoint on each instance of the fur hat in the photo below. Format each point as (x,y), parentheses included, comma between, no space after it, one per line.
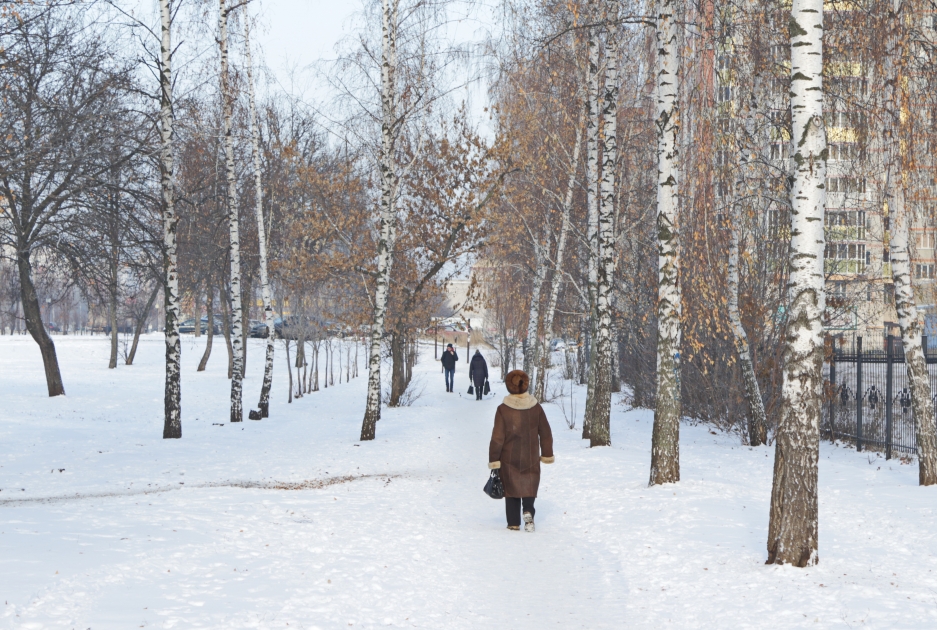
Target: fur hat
(517,381)
(449,346)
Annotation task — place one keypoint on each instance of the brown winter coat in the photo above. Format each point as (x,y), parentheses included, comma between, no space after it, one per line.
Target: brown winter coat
(520,440)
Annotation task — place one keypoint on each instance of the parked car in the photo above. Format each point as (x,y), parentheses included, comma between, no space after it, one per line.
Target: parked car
(188,326)
(53,327)
(558,344)
(258,330)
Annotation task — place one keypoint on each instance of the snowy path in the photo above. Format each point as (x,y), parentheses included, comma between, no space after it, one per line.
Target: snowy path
(203,533)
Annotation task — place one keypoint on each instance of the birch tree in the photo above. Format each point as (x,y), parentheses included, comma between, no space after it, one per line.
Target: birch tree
(264,404)
(541,378)
(592,211)
(172,401)
(922,405)
(665,440)
(758,424)
(227,105)
(388,214)
(898,130)
(792,529)
(599,429)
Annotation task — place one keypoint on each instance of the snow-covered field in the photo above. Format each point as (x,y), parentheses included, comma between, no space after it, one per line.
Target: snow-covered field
(291,522)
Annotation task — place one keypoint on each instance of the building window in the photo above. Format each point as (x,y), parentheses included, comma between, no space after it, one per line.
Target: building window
(780,150)
(722,158)
(846,185)
(844,151)
(845,257)
(924,271)
(925,240)
(723,94)
(890,294)
(722,62)
(845,225)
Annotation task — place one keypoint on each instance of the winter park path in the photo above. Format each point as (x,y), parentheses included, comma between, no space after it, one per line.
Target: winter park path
(291,522)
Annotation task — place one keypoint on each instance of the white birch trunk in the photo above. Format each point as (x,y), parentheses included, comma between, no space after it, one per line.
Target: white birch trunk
(388,215)
(533,318)
(265,296)
(237,336)
(592,212)
(599,429)
(792,530)
(897,132)
(758,424)
(172,400)
(665,441)
(922,405)
(558,270)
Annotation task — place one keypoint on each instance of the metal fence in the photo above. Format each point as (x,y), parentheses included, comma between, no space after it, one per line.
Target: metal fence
(868,397)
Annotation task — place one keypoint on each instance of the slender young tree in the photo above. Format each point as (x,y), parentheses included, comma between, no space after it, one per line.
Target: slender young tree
(792,530)
(758,424)
(172,402)
(265,295)
(665,441)
(599,429)
(593,158)
(898,130)
(388,210)
(922,405)
(540,381)
(227,106)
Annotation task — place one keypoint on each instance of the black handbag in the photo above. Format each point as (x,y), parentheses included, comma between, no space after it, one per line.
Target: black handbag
(487,389)
(494,488)
(471,390)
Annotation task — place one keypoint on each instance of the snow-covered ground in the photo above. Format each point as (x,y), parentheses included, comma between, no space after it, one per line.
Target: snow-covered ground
(291,522)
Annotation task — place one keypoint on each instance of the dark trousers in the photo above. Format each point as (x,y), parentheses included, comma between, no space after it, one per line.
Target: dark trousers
(512,506)
(450,379)
(479,390)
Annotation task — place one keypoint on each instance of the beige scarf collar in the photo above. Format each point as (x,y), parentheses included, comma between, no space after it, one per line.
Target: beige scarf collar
(520,401)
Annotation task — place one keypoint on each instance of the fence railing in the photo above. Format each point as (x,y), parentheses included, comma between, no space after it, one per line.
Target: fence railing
(868,400)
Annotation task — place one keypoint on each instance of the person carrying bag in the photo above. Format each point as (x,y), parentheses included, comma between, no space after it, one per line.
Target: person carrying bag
(520,441)
(478,374)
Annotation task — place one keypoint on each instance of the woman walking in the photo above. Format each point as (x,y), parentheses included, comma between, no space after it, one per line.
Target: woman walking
(520,441)
(478,373)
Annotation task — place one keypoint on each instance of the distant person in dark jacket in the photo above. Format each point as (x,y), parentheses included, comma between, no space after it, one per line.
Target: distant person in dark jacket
(478,373)
(449,358)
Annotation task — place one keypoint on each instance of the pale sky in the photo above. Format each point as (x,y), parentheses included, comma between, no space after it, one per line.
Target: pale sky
(297,33)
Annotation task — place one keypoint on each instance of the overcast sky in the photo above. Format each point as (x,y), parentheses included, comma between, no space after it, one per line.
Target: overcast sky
(297,33)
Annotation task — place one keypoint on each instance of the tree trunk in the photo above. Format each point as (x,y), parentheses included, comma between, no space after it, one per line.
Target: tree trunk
(112,317)
(141,322)
(398,381)
(289,368)
(197,315)
(757,423)
(665,441)
(792,529)
(226,328)
(558,270)
(237,337)
(599,422)
(210,311)
(922,404)
(32,315)
(388,219)
(593,158)
(533,319)
(172,402)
